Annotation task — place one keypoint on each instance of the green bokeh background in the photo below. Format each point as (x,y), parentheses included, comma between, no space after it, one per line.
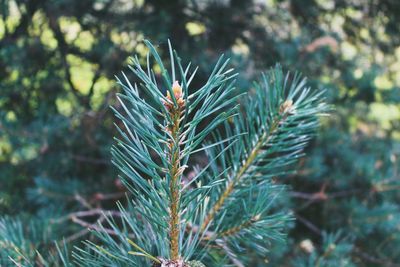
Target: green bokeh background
(57,64)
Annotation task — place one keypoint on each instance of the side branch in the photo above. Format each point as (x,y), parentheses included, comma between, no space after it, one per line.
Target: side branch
(265,138)
(236,229)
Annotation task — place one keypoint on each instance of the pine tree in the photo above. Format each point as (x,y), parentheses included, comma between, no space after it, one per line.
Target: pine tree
(186,213)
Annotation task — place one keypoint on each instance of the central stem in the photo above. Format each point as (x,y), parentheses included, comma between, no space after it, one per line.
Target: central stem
(174,189)
(175,112)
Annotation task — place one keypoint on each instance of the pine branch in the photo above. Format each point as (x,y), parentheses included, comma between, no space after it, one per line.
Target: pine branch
(239,175)
(277,122)
(231,202)
(158,139)
(236,229)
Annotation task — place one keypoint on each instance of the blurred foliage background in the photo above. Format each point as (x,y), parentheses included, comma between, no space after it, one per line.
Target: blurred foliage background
(57,64)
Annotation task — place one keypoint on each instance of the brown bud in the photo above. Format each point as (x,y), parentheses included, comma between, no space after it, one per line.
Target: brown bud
(177,90)
(286,107)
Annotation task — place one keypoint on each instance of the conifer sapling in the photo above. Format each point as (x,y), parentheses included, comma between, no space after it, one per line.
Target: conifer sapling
(183,213)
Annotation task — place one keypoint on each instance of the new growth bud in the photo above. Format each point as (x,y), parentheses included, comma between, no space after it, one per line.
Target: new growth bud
(286,107)
(178,94)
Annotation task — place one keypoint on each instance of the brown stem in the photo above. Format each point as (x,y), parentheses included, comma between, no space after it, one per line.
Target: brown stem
(232,183)
(236,229)
(175,174)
